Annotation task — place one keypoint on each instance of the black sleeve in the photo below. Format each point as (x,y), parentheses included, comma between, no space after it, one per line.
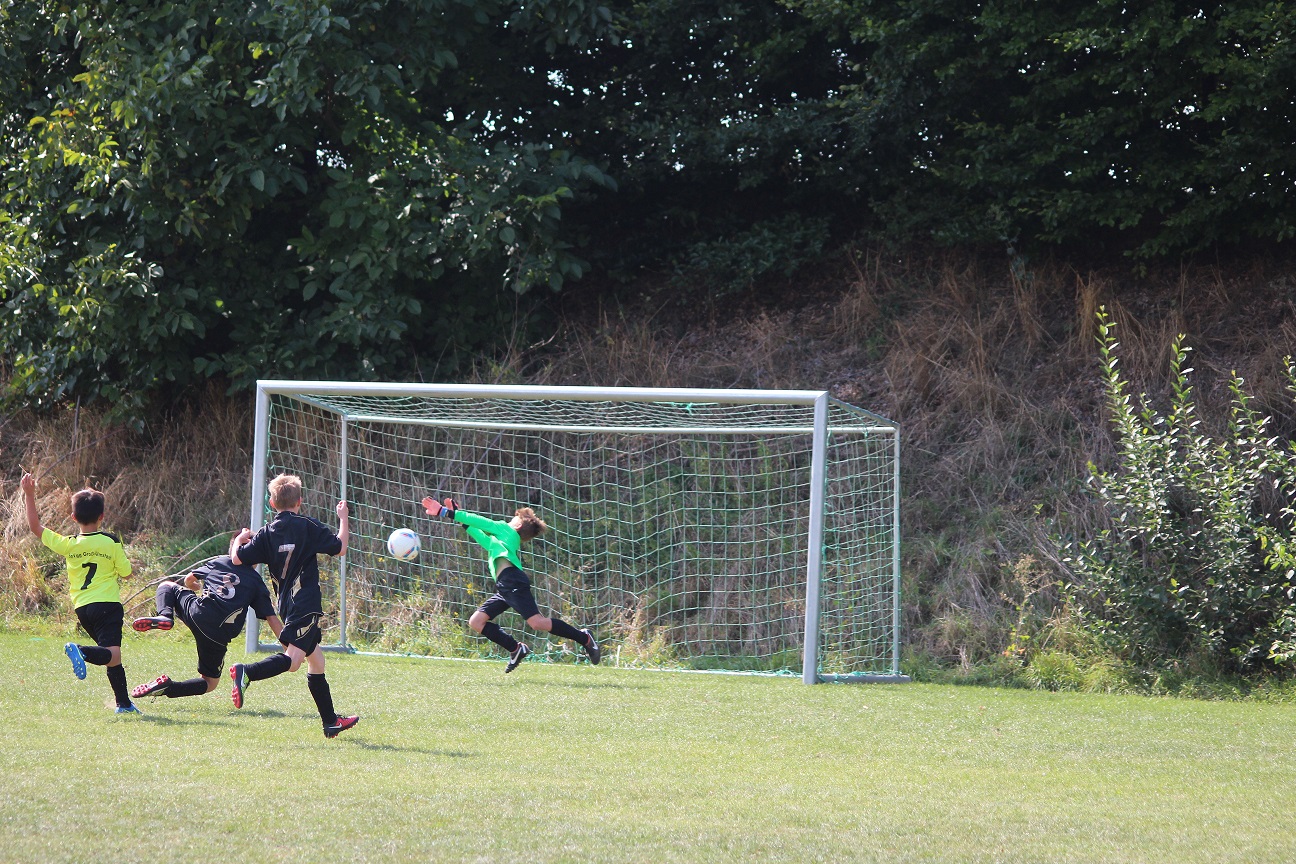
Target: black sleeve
(262,605)
(326,541)
(255,550)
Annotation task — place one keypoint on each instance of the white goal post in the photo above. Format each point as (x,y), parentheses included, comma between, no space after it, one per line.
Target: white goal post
(739,530)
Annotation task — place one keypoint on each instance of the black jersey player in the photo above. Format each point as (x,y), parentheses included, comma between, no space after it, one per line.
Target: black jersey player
(212,601)
(288,546)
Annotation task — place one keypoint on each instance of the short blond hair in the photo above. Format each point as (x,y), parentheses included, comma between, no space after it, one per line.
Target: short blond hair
(532,525)
(285,491)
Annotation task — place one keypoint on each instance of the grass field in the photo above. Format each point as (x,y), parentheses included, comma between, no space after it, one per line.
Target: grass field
(453,761)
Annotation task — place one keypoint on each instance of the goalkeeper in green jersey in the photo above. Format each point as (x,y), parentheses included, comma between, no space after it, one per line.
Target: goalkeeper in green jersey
(96,562)
(503,542)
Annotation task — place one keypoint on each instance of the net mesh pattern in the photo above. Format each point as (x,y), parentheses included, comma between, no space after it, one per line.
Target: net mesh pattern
(679,548)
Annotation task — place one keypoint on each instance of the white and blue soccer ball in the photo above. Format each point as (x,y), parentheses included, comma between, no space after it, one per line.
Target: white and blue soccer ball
(403,544)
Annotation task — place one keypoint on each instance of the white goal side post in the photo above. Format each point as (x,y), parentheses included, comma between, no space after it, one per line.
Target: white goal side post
(738,530)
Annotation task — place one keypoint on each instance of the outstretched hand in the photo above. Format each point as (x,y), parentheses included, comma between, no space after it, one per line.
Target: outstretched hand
(445,509)
(28,482)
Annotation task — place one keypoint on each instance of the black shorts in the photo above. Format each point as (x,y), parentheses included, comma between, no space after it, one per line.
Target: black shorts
(211,635)
(512,591)
(303,632)
(103,621)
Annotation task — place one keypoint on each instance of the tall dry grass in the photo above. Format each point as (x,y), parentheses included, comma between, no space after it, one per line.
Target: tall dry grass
(180,478)
(990,366)
(988,363)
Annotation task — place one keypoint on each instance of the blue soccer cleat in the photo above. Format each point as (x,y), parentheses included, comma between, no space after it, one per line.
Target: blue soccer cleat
(127,709)
(73,651)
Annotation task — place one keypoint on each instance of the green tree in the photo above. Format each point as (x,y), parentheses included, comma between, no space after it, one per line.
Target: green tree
(243,189)
(1154,128)
(723,125)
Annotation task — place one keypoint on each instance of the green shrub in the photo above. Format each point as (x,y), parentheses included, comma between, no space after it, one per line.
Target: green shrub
(1054,670)
(1194,561)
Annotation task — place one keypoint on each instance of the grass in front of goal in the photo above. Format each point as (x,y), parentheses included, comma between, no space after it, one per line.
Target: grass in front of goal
(454,761)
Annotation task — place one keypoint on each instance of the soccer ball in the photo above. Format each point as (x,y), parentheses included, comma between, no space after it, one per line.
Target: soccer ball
(403,544)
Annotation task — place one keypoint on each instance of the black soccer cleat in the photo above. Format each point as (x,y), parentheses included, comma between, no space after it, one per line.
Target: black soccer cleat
(154,622)
(342,724)
(156,687)
(519,654)
(238,674)
(592,648)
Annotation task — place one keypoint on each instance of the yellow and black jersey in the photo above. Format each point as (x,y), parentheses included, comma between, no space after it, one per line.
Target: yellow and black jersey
(95,563)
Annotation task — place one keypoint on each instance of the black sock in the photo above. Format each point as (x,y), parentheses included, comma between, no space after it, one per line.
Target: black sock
(566,631)
(319,689)
(192,687)
(492,631)
(275,664)
(96,655)
(117,678)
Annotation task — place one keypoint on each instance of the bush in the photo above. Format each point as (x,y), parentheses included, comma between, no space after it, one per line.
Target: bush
(1195,560)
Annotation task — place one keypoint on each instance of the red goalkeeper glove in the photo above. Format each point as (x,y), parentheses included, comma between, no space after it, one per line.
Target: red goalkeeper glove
(436,508)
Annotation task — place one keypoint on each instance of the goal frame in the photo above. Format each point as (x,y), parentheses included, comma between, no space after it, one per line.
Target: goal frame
(818,400)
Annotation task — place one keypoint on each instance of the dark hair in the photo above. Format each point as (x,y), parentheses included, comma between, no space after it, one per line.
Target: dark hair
(87,506)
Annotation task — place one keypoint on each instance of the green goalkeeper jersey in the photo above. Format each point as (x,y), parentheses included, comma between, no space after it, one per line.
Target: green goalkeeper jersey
(499,539)
(95,563)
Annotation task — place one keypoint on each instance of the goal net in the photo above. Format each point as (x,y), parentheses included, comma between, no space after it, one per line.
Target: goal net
(735,530)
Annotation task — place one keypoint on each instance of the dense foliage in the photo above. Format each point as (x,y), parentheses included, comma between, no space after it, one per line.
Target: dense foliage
(1153,127)
(1195,563)
(234,189)
(370,188)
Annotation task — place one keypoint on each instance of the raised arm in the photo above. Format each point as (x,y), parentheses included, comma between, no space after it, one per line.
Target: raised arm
(239,539)
(28,484)
(344,525)
(481,523)
(480,537)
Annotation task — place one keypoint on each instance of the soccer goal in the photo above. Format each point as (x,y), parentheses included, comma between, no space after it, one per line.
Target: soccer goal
(743,530)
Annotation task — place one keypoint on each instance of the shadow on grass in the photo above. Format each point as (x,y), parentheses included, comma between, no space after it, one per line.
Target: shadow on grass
(568,685)
(163,720)
(384,747)
(396,748)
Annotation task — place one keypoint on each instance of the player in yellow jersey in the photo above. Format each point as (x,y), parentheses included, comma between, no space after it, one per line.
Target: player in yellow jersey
(96,562)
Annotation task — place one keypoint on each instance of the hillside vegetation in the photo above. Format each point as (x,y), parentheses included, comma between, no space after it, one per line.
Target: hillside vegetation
(919,206)
(992,370)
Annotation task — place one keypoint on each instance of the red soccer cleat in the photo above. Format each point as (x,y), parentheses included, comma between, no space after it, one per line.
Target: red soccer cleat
(342,724)
(153,688)
(156,622)
(239,676)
